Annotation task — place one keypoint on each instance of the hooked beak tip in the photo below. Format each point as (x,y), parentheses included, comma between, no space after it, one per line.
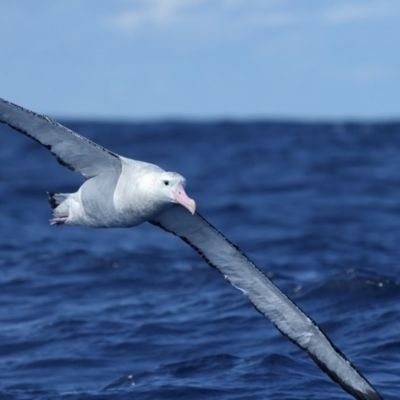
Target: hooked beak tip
(192,207)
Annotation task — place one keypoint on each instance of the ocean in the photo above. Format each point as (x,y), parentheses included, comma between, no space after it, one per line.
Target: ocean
(112,314)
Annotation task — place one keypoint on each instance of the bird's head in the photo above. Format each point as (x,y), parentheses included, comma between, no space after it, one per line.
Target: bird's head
(170,187)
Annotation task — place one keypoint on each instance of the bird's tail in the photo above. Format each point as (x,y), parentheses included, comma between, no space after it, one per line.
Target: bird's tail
(59,206)
(55,199)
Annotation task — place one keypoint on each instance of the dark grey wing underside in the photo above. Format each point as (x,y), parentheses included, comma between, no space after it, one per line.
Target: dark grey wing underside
(72,150)
(266,297)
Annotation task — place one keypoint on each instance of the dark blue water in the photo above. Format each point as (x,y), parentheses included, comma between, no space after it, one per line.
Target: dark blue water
(136,314)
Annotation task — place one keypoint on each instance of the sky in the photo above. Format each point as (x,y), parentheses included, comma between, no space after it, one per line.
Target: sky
(202,59)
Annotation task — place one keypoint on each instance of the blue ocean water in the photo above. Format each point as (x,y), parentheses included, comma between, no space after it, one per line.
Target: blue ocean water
(136,314)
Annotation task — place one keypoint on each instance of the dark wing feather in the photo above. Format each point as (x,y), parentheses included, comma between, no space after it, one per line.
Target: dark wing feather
(71,150)
(237,269)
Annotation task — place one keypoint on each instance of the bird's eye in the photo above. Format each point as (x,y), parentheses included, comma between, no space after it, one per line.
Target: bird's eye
(166,183)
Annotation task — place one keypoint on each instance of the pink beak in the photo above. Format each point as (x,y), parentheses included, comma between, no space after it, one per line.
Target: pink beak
(182,198)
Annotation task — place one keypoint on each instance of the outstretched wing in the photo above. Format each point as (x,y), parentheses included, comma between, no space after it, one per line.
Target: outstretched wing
(72,150)
(238,270)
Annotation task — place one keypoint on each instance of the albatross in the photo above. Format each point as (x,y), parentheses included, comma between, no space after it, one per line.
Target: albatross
(121,192)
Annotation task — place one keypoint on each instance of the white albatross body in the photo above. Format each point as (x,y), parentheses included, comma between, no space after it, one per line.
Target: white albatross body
(120,192)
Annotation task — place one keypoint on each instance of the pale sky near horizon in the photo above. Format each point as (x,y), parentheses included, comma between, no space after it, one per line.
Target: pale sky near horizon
(202,59)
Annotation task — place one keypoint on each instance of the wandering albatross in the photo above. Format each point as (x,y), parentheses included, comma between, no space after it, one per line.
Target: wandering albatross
(120,192)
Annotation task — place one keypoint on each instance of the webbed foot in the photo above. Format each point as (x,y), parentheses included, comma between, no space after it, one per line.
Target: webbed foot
(58,220)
